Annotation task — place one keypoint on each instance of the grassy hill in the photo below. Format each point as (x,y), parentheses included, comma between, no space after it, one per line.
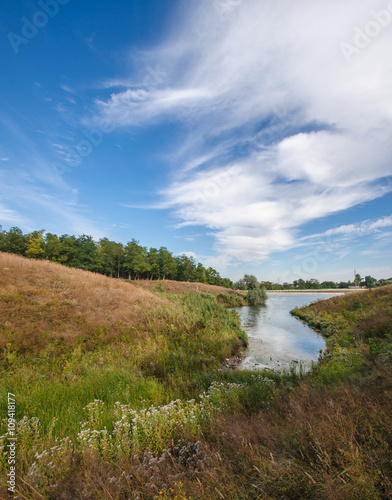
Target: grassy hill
(50,307)
(183,287)
(120,394)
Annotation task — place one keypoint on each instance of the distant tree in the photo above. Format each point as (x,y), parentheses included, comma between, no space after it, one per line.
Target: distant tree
(110,257)
(167,263)
(300,284)
(87,253)
(328,284)
(226,282)
(67,250)
(186,268)
(370,282)
(140,263)
(213,277)
(15,241)
(343,284)
(251,282)
(3,236)
(358,280)
(52,247)
(35,246)
(312,284)
(153,260)
(239,285)
(200,273)
(131,250)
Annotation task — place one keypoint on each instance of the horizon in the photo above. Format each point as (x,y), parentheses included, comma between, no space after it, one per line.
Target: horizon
(253,137)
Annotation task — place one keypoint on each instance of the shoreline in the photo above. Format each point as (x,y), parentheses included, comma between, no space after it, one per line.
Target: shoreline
(312,292)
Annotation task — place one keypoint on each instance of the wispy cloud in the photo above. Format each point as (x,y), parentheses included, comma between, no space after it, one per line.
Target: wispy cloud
(364,227)
(58,210)
(268,85)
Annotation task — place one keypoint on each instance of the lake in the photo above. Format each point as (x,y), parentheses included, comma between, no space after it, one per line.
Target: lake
(278,340)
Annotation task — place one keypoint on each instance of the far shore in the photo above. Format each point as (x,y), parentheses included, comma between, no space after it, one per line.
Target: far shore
(325,291)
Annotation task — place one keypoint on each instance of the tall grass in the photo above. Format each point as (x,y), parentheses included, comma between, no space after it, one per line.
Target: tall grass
(121,394)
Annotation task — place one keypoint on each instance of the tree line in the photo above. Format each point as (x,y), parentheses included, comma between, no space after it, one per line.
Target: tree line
(130,261)
(314,284)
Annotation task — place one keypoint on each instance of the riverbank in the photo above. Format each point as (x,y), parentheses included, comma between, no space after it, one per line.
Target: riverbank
(326,290)
(119,394)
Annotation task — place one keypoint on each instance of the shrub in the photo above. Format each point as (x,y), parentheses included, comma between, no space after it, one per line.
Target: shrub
(231,299)
(257,297)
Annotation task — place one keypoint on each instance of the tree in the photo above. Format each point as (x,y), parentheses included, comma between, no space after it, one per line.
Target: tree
(131,249)
(251,282)
(111,256)
(370,282)
(328,284)
(87,253)
(67,251)
(3,236)
(15,242)
(167,263)
(312,284)
(200,274)
(35,246)
(256,297)
(52,247)
(186,268)
(358,280)
(300,284)
(140,264)
(343,284)
(153,260)
(239,285)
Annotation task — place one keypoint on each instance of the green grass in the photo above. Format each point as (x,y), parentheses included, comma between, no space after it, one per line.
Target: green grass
(185,337)
(358,332)
(146,410)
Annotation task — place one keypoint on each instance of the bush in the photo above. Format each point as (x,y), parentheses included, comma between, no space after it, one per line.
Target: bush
(256,297)
(231,299)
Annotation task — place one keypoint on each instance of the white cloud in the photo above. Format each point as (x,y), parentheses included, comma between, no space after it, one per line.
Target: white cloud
(364,227)
(272,75)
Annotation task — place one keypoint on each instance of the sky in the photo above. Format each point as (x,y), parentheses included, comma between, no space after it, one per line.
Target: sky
(254,135)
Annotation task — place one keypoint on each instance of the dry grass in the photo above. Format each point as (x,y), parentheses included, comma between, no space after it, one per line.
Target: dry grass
(323,437)
(182,287)
(41,300)
(313,444)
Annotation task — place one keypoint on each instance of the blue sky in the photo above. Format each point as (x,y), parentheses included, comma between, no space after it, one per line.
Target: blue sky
(254,135)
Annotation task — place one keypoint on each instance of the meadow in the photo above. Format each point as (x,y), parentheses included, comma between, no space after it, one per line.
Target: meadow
(121,393)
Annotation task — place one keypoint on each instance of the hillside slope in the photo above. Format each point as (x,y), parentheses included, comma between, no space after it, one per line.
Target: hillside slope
(105,411)
(171,286)
(41,302)
(71,336)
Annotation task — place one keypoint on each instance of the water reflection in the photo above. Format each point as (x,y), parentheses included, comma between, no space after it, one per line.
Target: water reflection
(276,339)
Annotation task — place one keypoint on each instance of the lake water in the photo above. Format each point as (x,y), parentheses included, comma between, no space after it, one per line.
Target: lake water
(278,340)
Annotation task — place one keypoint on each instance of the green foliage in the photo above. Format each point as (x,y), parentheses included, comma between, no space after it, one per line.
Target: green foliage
(358,328)
(35,246)
(110,258)
(256,297)
(231,299)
